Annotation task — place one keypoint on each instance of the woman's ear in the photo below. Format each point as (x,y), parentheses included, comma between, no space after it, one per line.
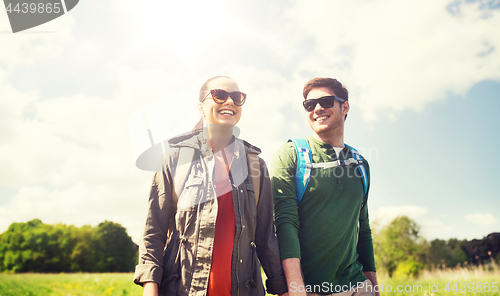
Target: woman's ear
(200,109)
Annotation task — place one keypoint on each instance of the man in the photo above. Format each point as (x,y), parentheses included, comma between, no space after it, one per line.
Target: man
(323,248)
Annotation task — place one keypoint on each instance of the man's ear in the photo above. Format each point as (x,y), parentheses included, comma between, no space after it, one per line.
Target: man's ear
(345,109)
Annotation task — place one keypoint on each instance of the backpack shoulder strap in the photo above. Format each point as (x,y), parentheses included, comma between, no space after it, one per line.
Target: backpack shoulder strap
(362,172)
(253,162)
(303,172)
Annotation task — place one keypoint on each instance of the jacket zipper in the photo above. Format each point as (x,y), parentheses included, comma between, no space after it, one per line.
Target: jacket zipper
(197,231)
(239,238)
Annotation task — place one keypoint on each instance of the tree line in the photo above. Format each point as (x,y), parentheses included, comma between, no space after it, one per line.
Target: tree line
(37,247)
(400,251)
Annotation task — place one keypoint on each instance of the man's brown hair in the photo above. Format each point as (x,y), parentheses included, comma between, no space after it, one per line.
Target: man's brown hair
(333,84)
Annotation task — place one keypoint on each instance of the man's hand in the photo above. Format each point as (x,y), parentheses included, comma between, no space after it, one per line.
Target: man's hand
(372,276)
(293,275)
(150,289)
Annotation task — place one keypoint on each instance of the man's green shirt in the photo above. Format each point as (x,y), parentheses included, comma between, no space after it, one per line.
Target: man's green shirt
(322,230)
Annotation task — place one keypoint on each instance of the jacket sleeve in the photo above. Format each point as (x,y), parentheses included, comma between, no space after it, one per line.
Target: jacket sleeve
(265,237)
(365,241)
(154,236)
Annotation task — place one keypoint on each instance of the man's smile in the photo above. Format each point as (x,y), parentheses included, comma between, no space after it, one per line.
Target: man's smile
(321,118)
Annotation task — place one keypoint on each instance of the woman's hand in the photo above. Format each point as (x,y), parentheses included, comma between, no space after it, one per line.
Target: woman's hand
(150,289)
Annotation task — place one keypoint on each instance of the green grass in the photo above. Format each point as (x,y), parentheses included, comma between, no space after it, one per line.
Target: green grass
(74,284)
(120,284)
(451,281)
(438,287)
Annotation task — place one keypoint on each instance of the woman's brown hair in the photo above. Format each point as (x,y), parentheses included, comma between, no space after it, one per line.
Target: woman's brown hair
(203,93)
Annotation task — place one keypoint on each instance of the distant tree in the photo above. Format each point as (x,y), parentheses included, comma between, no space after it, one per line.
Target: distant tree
(82,255)
(439,254)
(453,243)
(458,257)
(17,246)
(481,251)
(398,247)
(443,254)
(113,247)
(37,247)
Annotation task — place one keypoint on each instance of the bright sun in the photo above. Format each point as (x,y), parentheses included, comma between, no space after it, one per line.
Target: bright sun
(185,25)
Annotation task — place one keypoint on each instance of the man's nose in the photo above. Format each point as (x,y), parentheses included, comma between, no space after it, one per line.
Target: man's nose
(318,107)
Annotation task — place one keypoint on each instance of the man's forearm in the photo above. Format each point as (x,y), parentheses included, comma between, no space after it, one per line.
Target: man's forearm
(372,276)
(293,275)
(150,289)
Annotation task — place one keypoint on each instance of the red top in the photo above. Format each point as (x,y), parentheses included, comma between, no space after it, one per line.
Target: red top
(219,283)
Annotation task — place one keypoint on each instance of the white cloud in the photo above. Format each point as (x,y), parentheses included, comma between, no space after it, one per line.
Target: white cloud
(270,94)
(481,219)
(436,228)
(432,227)
(70,155)
(205,20)
(384,215)
(394,55)
(123,201)
(46,41)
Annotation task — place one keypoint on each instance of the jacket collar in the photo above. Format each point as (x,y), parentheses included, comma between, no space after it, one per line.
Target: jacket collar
(199,140)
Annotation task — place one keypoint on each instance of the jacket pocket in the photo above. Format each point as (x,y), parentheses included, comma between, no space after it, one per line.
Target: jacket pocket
(194,192)
(187,238)
(251,201)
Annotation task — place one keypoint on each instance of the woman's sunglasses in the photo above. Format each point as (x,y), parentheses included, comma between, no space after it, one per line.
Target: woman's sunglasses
(325,102)
(220,96)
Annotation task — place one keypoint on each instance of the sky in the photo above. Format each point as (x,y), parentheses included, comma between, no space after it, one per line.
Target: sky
(423,80)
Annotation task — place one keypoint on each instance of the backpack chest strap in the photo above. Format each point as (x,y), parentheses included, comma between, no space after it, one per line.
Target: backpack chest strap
(305,164)
(337,163)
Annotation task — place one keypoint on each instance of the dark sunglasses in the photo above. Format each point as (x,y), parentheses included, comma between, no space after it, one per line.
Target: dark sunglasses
(220,96)
(325,102)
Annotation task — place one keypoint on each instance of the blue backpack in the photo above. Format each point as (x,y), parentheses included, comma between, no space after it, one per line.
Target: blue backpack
(305,164)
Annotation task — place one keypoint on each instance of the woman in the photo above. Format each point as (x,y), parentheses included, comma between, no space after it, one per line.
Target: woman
(219,227)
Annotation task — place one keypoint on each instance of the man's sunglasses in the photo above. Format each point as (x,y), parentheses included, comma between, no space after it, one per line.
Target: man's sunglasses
(220,96)
(325,102)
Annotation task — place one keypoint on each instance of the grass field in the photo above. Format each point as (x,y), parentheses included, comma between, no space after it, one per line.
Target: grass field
(120,284)
(451,281)
(74,284)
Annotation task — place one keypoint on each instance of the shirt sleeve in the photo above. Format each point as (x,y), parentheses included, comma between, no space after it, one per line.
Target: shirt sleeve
(365,241)
(285,201)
